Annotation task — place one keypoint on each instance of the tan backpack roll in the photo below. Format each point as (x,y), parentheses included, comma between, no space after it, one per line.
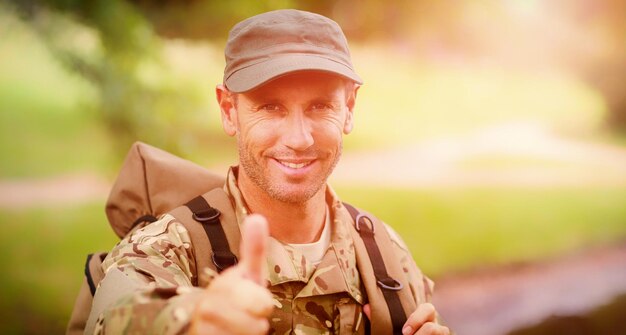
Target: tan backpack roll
(152,182)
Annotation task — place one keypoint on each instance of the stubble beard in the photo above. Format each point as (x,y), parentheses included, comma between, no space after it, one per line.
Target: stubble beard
(257,174)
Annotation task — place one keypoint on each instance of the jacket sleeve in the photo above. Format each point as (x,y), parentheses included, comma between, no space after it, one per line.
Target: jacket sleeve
(158,264)
(421,286)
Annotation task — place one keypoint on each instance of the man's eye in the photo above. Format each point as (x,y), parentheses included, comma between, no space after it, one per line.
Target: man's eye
(270,108)
(320,107)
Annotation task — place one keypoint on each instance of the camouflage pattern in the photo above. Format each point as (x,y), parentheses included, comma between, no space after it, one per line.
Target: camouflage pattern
(322,299)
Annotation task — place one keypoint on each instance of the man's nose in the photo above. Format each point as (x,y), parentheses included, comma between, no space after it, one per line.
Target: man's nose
(298,132)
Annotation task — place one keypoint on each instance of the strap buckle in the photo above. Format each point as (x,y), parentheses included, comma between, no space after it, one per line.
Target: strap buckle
(359,220)
(390,284)
(206,215)
(223,259)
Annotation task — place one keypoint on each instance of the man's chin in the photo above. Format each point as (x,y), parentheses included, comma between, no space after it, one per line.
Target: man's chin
(294,195)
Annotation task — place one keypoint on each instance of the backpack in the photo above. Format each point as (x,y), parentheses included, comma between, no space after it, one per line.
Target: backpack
(153,182)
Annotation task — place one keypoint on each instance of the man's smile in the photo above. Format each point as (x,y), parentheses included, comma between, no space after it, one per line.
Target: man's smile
(295,164)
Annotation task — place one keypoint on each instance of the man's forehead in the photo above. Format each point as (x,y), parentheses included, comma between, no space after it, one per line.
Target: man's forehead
(311,82)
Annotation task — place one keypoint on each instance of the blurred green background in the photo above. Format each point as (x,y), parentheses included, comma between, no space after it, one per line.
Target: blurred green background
(80,81)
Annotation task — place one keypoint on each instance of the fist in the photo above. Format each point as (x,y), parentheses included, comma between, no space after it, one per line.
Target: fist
(237,302)
(423,321)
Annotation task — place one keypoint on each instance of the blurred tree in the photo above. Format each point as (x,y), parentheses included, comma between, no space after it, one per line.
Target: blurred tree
(607,71)
(113,46)
(202,19)
(206,19)
(116,45)
(141,99)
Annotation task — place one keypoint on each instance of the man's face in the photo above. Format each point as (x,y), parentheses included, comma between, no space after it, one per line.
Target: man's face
(289,132)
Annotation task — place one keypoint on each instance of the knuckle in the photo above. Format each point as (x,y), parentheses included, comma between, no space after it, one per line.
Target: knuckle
(428,307)
(432,328)
(201,327)
(429,326)
(207,311)
(264,326)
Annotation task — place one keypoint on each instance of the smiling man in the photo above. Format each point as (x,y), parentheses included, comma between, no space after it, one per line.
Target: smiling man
(289,133)
(288,96)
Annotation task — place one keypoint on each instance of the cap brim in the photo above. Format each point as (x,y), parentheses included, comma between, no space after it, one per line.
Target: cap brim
(257,74)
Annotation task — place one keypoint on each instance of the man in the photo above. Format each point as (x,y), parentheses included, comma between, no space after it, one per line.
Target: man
(288,97)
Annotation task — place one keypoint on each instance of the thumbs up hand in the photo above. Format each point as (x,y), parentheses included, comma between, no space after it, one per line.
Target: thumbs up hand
(237,302)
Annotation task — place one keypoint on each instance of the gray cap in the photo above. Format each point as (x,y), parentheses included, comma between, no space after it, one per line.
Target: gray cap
(272,44)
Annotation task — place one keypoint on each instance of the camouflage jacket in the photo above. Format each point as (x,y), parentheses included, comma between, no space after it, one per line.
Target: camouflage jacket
(322,299)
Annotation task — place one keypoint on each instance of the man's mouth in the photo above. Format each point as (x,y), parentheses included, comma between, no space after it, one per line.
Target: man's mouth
(294,165)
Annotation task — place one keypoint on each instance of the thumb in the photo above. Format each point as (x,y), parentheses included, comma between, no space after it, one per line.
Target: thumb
(253,247)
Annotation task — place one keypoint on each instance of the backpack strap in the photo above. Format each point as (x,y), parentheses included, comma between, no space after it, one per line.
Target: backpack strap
(83,305)
(212,225)
(211,247)
(385,283)
(93,270)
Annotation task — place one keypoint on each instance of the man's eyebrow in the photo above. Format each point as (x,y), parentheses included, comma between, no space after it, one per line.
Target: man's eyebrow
(263,98)
(328,97)
(274,98)
(266,100)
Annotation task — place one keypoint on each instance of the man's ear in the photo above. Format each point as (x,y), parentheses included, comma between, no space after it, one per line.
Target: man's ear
(228,111)
(350,102)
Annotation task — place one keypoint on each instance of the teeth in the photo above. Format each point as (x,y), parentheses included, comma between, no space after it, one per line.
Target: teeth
(294,165)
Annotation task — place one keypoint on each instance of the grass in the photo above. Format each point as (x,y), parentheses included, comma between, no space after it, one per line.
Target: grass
(457,229)
(447,230)
(39,143)
(44,252)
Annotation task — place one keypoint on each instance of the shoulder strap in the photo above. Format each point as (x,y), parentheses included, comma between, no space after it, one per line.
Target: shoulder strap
(211,223)
(386,285)
(210,242)
(83,304)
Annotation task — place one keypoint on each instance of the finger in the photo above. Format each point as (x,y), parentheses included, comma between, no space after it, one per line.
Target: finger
(232,289)
(424,313)
(253,247)
(202,328)
(368,311)
(230,320)
(431,328)
(252,298)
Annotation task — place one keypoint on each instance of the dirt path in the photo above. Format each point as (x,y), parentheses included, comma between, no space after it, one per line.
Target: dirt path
(69,190)
(497,301)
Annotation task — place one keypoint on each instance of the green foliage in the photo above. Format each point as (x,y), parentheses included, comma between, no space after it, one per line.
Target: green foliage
(447,230)
(116,45)
(113,47)
(48,121)
(202,20)
(405,100)
(47,107)
(455,229)
(44,252)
